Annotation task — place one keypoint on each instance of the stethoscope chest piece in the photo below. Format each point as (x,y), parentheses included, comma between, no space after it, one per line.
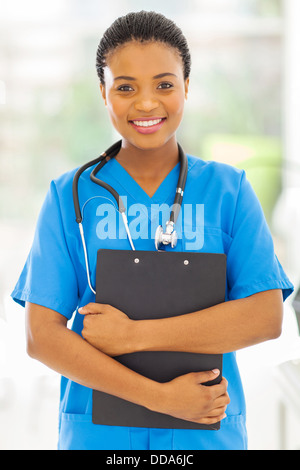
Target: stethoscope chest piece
(169,237)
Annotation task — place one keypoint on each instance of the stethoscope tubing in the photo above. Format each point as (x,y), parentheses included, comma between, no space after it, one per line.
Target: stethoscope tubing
(100,162)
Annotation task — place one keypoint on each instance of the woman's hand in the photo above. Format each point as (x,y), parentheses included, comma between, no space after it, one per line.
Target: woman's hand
(107,329)
(187,398)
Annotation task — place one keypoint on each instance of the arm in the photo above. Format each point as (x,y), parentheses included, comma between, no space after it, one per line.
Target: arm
(51,342)
(223,328)
(220,329)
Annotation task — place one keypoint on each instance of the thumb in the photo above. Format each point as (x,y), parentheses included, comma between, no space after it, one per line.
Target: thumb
(90,308)
(206,376)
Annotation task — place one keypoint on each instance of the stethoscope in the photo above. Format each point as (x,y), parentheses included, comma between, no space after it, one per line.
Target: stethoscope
(162,238)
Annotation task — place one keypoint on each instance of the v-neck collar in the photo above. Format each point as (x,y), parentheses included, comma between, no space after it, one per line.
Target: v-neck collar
(128,183)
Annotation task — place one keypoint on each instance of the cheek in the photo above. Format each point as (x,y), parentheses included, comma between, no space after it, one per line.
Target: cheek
(175,106)
(117,109)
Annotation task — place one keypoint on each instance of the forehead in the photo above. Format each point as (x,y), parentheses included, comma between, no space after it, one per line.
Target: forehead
(144,59)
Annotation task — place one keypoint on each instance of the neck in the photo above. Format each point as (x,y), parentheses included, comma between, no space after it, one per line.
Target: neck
(150,163)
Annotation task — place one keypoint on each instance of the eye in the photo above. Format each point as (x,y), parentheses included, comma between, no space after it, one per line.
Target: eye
(165,86)
(125,88)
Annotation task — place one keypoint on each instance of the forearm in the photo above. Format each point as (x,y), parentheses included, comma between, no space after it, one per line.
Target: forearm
(71,356)
(220,329)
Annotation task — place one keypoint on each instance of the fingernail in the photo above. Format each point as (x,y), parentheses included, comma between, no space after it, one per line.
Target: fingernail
(216,371)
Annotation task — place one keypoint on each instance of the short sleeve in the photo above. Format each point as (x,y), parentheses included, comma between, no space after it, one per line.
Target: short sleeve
(48,277)
(252,265)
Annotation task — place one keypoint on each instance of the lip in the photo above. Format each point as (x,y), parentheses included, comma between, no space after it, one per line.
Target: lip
(150,129)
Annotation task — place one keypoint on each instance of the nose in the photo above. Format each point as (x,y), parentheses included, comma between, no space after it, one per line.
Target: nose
(146,102)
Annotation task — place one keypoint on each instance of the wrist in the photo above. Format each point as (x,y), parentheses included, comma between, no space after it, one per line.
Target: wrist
(154,397)
(149,335)
(139,335)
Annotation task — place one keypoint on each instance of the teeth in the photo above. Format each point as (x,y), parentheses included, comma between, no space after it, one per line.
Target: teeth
(147,123)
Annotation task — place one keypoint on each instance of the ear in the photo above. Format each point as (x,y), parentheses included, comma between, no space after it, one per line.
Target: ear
(186,87)
(103,93)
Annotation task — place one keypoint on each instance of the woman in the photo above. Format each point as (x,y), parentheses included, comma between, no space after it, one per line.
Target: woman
(143,63)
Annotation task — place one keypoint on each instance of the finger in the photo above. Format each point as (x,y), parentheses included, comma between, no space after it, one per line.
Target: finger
(219,389)
(213,420)
(91,308)
(223,400)
(209,419)
(206,376)
(218,406)
(216,412)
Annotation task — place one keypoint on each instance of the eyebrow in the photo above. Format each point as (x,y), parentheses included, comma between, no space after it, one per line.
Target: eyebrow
(160,75)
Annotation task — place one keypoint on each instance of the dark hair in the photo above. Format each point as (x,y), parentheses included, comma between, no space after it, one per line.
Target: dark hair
(142,26)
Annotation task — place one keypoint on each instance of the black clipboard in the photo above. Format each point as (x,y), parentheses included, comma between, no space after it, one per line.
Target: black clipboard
(152,284)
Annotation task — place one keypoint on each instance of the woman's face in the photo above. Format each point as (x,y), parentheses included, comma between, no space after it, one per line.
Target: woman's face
(145,92)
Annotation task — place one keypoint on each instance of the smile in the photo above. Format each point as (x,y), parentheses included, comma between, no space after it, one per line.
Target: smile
(147,123)
(147,126)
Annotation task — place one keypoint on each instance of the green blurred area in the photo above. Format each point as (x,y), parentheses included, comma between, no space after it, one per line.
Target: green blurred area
(259,156)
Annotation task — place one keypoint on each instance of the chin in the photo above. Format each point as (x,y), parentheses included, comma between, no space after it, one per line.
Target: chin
(147,142)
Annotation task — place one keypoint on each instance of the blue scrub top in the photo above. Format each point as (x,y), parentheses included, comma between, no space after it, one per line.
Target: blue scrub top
(221,214)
